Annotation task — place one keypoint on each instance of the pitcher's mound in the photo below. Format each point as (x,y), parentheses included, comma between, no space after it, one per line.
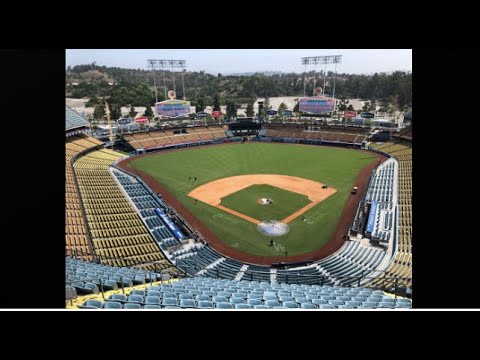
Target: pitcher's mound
(264,201)
(273,228)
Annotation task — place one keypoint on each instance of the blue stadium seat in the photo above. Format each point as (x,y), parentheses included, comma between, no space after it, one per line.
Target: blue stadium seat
(154,293)
(308,306)
(204,305)
(91,304)
(290,304)
(254,302)
(112,305)
(223,305)
(169,301)
(135,299)
(138,292)
(243,306)
(152,307)
(152,300)
(187,303)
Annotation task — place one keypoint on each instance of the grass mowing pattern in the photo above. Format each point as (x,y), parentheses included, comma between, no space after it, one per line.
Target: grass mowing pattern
(337,167)
(285,202)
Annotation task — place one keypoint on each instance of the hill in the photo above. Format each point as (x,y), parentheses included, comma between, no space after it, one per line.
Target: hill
(136,87)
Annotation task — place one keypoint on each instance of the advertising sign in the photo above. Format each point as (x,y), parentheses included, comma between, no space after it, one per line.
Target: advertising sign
(171,94)
(272,112)
(371,217)
(350,114)
(141,120)
(124,121)
(216,114)
(173,228)
(173,108)
(201,114)
(367,115)
(317,91)
(317,104)
(287,112)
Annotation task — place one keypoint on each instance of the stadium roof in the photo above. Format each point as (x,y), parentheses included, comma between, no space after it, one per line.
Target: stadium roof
(73,120)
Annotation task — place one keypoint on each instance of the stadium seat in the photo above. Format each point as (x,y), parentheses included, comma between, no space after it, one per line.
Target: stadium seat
(223,305)
(138,292)
(202,298)
(117,297)
(135,299)
(308,306)
(70,293)
(152,300)
(272,303)
(152,307)
(169,301)
(204,305)
(243,306)
(219,299)
(112,305)
(187,303)
(154,293)
(91,304)
(327,306)
(290,304)
(254,302)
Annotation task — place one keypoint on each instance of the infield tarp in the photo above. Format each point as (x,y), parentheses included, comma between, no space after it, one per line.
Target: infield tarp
(174,228)
(371,217)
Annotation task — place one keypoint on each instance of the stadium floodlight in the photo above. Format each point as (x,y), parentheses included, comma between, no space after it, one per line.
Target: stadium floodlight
(315,60)
(163,63)
(152,63)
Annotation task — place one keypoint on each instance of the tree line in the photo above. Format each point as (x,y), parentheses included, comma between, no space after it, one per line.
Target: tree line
(135,87)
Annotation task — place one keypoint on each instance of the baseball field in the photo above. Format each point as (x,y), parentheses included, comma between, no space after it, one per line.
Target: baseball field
(222,187)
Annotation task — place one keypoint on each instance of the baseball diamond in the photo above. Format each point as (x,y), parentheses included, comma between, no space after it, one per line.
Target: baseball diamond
(314,238)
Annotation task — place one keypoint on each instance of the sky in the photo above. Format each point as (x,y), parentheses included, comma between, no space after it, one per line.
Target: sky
(227,61)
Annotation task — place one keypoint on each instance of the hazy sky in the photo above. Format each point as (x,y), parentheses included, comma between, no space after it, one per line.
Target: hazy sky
(225,61)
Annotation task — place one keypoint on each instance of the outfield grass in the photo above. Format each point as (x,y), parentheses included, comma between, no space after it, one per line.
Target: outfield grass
(284,202)
(337,167)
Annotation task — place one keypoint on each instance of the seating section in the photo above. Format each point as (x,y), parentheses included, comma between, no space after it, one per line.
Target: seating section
(78,273)
(405,133)
(401,266)
(160,138)
(76,232)
(207,293)
(197,259)
(146,201)
(382,189)
(382,183)
(324,133)
(346,267)
(119,236)
(73,120)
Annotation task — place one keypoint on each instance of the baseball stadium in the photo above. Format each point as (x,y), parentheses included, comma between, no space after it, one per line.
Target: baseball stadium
(246,213)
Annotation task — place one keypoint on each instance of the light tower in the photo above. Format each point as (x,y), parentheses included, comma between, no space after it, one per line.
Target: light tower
(165,63)
(328,59)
